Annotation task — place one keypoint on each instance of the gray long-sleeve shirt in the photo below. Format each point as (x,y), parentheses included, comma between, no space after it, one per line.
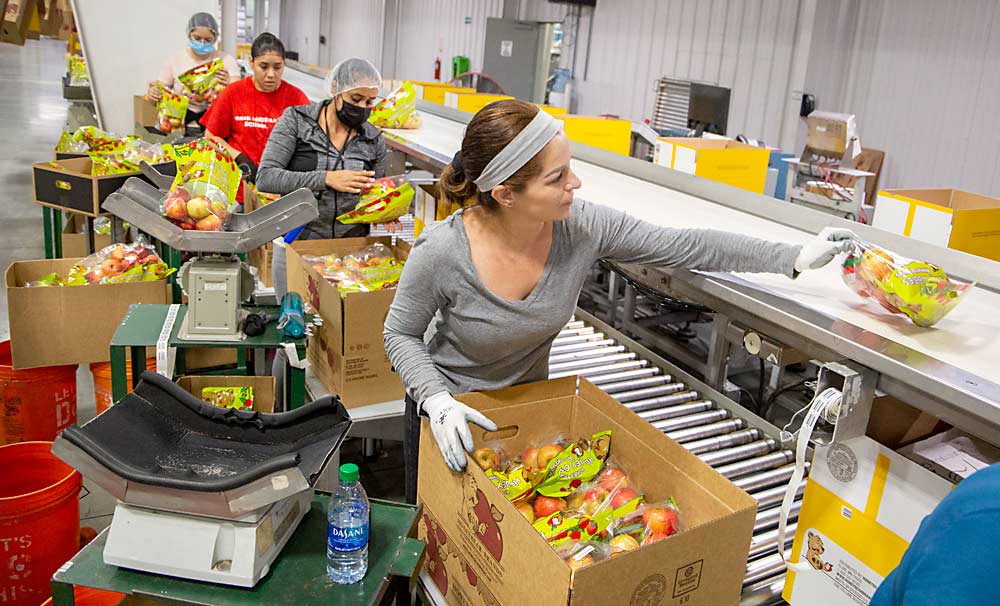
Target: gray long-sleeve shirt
(484,342)
(298,154)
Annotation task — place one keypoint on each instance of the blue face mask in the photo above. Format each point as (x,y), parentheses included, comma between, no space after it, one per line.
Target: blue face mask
(201,48)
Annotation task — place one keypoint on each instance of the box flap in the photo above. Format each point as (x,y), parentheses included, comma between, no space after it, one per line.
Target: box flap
(20,273)
(80,167)
(520,394)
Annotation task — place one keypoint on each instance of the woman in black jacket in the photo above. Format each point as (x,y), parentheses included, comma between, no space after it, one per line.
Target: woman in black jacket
(330,148)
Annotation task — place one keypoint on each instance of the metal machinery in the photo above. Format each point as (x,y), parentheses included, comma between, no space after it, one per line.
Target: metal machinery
(945,372)
(521,56)
(215,280)
(203,493)
(682,105)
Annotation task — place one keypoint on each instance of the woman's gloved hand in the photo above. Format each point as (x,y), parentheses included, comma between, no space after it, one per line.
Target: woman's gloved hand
(823,248)
(450,420)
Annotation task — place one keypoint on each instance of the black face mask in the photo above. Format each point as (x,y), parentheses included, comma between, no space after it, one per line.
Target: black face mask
(352,115)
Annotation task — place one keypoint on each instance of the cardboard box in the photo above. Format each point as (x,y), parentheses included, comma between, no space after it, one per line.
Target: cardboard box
(68,184)
(953,455)
(830,132)
(894,423)
(471,102)
(17,19)
(482,551)
(263,387)
(347,353)
(436,94)
(70,324)
(74,238)
(146,123)
(722,160)
(944,217)
(611,134)
(553,110)
(862,506)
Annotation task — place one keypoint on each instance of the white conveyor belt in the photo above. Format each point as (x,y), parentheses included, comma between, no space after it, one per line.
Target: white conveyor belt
(967,338)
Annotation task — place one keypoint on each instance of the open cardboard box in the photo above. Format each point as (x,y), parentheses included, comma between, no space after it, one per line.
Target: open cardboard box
(347,353)
(69,184)
(945,217)
(481,550)
(53,326)
(722,160)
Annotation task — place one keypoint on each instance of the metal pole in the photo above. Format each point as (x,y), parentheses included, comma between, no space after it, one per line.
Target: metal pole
(229,29)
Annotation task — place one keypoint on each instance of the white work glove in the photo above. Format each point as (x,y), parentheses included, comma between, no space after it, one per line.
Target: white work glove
(450,423)
(823,248)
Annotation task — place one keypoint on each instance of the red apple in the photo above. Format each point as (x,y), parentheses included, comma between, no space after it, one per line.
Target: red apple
(111,267)
(198,208)
(486,458)
(188,224)
(530,458)
(575,501)
(547,453)
(594,499)
(180,193)
(210,223)
(117,253)
(546,506)
(220,210)
(653,538)
(622,496)
(660,520)
(527,512)
(622,543)
(176,209)
(611,478)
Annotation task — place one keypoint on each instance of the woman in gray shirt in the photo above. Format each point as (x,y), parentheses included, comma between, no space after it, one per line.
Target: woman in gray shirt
(504,276)
(329,148)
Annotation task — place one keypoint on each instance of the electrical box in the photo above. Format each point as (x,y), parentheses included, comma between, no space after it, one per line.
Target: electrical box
(521,55)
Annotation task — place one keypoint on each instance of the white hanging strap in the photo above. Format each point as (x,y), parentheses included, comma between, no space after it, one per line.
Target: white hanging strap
(293,356)
(164,354)
(822,405)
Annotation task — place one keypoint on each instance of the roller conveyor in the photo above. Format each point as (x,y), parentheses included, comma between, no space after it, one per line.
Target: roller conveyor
(747,455)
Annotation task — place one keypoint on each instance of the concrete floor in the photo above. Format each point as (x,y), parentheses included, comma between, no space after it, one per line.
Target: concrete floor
(32,115)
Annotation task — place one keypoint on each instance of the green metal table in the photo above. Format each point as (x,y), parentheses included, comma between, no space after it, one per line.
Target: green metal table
(297,577)
(141,327)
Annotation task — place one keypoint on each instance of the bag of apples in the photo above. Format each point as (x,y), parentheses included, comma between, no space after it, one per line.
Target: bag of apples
(398,110)
(171,110)
(201,82)
(388,199)
(203,194)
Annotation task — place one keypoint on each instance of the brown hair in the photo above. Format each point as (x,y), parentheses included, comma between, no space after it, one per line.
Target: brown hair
(489,131)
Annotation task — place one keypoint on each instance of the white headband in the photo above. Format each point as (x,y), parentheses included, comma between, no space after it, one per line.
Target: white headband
(519,151)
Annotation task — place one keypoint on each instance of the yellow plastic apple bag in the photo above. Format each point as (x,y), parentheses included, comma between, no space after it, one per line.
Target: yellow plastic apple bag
(921,291)
(240,398)
(171,110)
(203,193)
(201,81)
(579,462)
(119,263)
(387,200)
(398,110)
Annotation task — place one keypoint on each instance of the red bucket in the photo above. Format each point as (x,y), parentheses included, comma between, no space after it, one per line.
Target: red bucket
(102,381)
(39,520)
(35,404)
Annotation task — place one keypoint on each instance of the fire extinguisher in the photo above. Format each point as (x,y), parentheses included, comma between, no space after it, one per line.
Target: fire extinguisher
(437,69)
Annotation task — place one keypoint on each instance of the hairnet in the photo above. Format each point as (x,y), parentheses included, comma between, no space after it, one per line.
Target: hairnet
(350,74)
(203,20)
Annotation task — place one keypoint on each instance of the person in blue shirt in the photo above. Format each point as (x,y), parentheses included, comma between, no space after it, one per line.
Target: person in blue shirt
(954,558)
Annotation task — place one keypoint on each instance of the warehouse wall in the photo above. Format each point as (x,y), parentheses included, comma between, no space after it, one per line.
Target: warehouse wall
(440,28)
(352,29)
(923,78)
(300,28)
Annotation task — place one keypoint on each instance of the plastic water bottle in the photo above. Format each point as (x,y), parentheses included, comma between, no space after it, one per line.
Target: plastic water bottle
(348,522)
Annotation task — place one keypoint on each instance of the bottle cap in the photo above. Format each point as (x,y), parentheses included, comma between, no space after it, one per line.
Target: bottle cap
(349,472)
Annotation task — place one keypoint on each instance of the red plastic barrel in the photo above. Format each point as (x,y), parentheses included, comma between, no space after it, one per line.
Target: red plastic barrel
(35,404)
(39,520)
(102,381)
